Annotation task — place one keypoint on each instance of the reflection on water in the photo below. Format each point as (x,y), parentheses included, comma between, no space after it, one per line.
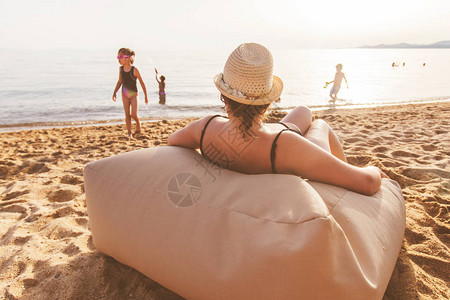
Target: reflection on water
(76,86)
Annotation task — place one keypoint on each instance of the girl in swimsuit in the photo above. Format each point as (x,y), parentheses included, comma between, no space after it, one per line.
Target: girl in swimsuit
(128,76)
(243,143)
(162,86)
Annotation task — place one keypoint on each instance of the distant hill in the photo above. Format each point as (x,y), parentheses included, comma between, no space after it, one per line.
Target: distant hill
(442,44)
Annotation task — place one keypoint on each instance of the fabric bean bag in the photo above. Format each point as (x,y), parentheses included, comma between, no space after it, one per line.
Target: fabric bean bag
(210,233)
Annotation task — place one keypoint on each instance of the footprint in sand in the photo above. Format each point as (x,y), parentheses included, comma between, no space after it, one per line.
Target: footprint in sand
(391,164)
(380,149)
(62,212)
(69,179)
(19,209)
(15,194)
(430,264)
(62,195)
(436,210)
(60,229)
(77,171)
(21,240)
(358,160)
(442,232)
(29,283)
(31,167)
(429,147)
(71,250)
(352,140)
(425,174)
(82,221)
(401,153)
(57,154)
(414,237)
(381,155)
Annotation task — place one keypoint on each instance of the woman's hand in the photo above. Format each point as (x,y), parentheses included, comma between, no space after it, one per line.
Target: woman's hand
(114,97)
(146,100)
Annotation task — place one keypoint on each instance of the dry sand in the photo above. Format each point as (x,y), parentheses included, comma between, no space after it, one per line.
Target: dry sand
(46,249)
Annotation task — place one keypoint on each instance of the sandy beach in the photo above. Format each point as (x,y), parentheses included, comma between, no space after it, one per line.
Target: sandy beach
(46,248)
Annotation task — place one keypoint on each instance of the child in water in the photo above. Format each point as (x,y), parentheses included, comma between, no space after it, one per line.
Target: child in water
(128,75)
(162,87)
(337,82)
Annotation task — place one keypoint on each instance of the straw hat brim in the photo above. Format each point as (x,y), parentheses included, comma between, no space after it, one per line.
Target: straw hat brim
(273,95)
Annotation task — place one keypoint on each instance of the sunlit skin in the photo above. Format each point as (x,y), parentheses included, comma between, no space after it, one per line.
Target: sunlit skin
(337,82)
(130,103)
(318,155)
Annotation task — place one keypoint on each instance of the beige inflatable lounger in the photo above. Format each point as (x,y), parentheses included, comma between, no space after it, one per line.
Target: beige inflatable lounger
(210,233)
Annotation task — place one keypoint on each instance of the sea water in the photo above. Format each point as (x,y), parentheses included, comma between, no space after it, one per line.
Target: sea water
(69,87)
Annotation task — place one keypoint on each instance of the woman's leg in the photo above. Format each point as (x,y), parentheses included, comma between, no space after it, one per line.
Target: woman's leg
(321,134)
(134,110)
(301,116)
(126,107)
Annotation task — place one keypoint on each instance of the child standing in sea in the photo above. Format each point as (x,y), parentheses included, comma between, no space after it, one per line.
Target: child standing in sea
(128,75)
(337,82)
(162,87)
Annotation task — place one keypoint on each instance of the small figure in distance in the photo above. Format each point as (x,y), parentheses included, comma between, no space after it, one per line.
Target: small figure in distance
(162,87)
(336,82)
(423,64)
(404,64)
(128,74)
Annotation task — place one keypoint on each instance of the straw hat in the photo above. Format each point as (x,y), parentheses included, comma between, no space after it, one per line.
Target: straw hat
(248,76)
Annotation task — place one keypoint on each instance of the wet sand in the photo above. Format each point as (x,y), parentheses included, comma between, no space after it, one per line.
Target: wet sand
(46,249)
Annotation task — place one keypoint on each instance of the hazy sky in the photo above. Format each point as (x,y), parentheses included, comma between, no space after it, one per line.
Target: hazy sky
(197,24)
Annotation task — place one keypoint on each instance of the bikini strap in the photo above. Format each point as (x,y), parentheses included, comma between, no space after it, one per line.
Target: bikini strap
(273,148)
(287,127)
(204,129)
(294,130)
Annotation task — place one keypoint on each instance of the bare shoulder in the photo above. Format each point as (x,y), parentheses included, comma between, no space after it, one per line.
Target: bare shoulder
(189,136)
(200,123)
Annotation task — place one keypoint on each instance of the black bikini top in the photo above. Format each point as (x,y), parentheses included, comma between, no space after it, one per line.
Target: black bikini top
(272,149)
(274,144)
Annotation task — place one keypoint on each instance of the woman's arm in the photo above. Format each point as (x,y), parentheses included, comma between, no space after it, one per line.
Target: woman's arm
(138,76)
(296,155)
(118,84)
(189,136)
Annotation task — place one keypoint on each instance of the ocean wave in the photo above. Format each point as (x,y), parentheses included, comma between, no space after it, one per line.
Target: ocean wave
(100,116)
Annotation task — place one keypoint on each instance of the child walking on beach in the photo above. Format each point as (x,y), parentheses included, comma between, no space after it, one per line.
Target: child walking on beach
(337,82)
(162,87)
(128,74)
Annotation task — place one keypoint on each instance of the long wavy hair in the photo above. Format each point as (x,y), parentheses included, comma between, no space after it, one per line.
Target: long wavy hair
(249,114)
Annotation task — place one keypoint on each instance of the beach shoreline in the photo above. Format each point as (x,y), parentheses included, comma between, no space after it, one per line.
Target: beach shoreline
(107,122)
(47,249)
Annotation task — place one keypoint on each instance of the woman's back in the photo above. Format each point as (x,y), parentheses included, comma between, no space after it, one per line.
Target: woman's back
(223,144)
